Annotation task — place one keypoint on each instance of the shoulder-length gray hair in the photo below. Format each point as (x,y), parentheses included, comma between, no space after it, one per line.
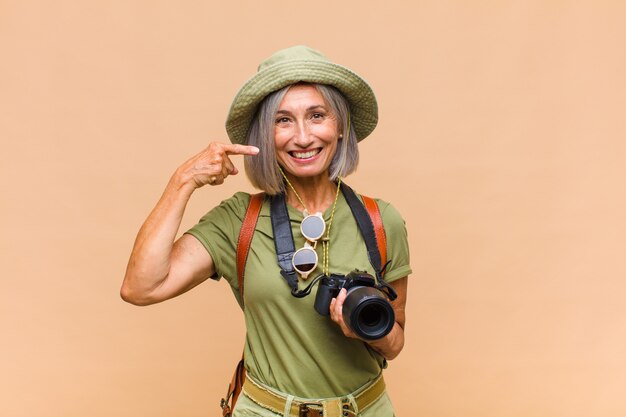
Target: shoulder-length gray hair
(263,169)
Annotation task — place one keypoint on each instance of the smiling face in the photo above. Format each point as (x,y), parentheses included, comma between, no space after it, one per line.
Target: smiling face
(305,132)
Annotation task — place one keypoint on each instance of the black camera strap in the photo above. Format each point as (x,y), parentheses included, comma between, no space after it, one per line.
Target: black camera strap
(366,227)
(283,239)
(285,246)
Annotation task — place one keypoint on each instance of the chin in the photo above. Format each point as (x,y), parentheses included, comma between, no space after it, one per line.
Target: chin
(307,174)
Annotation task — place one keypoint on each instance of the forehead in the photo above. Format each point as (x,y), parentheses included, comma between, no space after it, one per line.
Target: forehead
(302,95)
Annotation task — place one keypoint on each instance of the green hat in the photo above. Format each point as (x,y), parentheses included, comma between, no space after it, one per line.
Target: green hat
(293,65)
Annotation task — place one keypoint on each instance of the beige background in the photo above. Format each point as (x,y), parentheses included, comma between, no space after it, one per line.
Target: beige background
(501,140)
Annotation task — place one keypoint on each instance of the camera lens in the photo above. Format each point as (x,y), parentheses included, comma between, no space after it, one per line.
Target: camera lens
(368,313)
(370,316)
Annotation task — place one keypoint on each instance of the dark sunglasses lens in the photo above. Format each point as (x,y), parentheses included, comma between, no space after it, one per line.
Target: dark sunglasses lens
(304,260)
(312,227)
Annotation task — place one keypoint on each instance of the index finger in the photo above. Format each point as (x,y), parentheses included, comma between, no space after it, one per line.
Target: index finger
(237,149)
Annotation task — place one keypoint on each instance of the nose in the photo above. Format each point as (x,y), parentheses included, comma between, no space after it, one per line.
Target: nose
(302,136)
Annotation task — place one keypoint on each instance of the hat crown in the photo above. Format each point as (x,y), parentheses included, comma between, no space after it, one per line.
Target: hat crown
(294,53)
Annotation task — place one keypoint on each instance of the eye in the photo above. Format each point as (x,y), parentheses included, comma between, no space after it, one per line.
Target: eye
(318,116)
(282,120)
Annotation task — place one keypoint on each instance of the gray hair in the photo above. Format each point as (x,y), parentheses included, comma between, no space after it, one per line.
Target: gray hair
(263,169)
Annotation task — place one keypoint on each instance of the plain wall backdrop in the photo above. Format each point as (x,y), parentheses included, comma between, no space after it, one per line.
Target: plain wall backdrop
(501,141)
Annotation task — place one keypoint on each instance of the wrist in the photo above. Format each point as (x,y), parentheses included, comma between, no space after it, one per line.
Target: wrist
(182,183)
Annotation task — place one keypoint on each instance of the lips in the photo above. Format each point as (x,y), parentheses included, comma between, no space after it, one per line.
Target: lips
(305,154)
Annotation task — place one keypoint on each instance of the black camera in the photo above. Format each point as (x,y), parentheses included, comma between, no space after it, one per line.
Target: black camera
(366,309)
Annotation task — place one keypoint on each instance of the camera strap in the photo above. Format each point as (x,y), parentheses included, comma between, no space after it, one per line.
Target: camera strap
(283,239)
(366,226)
(367,217)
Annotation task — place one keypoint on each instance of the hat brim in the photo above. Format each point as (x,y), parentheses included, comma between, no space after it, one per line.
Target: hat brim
(363,106)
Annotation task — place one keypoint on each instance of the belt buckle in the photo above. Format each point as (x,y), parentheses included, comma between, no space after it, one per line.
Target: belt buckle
(305,411)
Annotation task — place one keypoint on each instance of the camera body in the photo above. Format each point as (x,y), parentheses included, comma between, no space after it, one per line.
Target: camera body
(366,309)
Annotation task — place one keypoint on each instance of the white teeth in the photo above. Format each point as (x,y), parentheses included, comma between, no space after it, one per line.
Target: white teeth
(304,155)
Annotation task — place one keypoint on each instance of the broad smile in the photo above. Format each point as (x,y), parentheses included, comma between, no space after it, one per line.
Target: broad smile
(307,154)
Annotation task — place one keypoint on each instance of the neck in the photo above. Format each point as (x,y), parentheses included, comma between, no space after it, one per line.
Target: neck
(317,193)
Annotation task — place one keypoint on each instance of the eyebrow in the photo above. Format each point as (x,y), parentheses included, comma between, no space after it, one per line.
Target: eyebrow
(317,106)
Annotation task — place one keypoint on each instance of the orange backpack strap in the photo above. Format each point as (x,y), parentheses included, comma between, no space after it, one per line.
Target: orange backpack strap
(234,389)
(243,247)
(379,227)
(245,236)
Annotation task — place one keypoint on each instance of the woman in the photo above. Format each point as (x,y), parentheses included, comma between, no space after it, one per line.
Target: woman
(297,123)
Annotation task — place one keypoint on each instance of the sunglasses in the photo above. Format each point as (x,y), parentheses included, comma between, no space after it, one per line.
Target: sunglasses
(305,259)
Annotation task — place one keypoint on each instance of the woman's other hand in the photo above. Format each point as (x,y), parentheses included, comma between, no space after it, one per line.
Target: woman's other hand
(390,345)
(212,165)
(336,314)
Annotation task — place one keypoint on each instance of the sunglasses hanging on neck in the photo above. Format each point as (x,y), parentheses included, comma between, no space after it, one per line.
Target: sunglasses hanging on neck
(305,259)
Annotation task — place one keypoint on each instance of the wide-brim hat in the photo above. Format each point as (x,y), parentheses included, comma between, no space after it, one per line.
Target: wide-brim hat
(301,64)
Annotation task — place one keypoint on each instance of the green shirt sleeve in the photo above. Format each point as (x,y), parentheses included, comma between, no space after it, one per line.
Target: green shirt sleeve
(218,231)
(397,242)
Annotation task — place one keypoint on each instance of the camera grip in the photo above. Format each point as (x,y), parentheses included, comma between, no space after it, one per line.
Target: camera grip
(326,291)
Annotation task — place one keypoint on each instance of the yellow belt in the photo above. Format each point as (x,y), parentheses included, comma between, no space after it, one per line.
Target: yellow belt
(333,407)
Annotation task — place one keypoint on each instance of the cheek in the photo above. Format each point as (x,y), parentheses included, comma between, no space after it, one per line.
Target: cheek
(280,139)
(327,133)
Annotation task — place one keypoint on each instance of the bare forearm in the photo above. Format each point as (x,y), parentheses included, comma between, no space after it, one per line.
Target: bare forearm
(149,262)
(391,345)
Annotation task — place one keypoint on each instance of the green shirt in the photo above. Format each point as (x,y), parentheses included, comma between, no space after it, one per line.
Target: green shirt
(289,346)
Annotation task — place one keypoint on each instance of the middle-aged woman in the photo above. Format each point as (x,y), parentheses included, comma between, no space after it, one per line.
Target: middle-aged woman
(297,122)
